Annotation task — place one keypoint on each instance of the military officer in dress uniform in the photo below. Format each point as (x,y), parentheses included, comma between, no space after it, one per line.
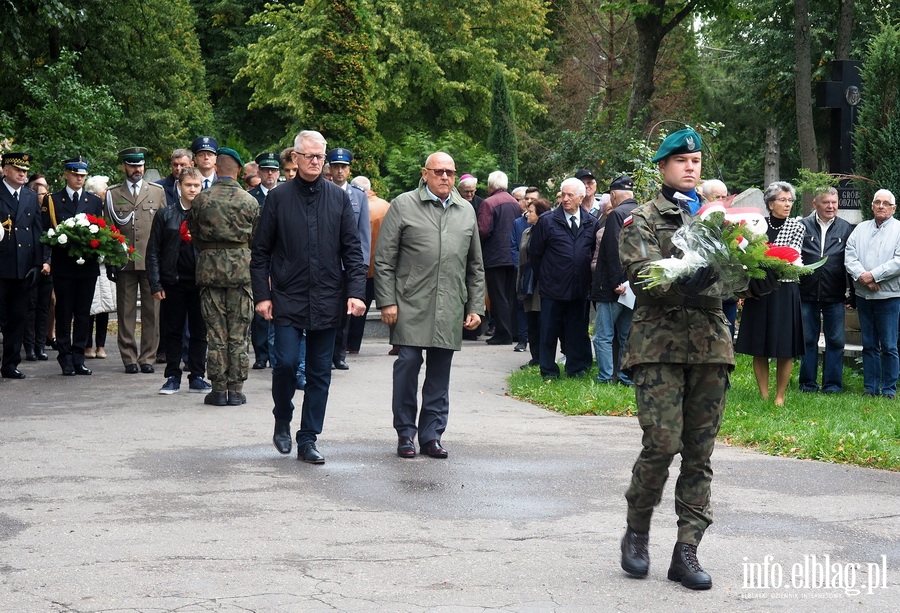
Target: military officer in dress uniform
(262,332)
(131,206)
(73,283)
(340,159)
(21,256)
(205,149)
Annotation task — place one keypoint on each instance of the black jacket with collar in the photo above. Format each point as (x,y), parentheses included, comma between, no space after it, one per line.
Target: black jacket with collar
(20,249)
(164,246)
(61,263)
(828,283)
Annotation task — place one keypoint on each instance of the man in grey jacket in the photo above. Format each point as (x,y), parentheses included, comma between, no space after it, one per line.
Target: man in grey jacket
(872,259)
(429,278)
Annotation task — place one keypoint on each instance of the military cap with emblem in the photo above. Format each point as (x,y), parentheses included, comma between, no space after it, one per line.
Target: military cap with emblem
(683,141)
(77,165)
(204,143)
(22,161)
(623,183)
(269,159)
(133,156)
(232,154)
(339,155)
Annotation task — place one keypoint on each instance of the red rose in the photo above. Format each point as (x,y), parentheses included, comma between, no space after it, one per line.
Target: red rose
(121,238)
(94,243)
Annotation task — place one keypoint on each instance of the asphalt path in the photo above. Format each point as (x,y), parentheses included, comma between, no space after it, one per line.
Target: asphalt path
(117,499)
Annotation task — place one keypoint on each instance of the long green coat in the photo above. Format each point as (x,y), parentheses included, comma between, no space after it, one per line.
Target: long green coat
(428,262)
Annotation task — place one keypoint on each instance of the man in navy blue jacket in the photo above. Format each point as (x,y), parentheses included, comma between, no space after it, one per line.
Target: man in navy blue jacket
(561,248)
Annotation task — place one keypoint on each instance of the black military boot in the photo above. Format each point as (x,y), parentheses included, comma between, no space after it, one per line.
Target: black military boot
(686,568)
(635,555)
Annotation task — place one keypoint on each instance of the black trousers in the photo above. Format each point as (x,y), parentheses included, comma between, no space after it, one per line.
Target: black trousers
(435,392)
(566,321)
(74,296)
(358,324)
(13,305)
(183,301)
(38,313)
(501,287)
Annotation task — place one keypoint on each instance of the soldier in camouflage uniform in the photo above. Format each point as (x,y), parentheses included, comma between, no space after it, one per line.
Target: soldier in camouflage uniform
(680,355)
(223,221)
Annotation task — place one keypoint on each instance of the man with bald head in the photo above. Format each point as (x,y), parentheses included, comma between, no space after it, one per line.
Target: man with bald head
(428,250)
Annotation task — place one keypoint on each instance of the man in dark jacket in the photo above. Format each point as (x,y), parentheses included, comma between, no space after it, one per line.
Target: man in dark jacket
(262,334)
(179,160)
(823,293)
(613,318)
(561,248)
(73,283)
(171,268)
(496,216)
(307,231)
(21,256)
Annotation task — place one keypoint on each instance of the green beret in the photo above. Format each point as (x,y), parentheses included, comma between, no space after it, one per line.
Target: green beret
(232,154)
(683,141)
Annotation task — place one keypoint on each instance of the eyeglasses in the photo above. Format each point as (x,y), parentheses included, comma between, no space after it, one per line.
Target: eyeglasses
(309,157)
(883,203)
(442,172)
(784,200)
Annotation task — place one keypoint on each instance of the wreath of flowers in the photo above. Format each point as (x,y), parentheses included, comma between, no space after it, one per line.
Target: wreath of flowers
(86,236)
(736,248)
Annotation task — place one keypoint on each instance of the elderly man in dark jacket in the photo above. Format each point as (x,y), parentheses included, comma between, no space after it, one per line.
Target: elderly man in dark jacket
(561,248)
(823,294)
(308,229)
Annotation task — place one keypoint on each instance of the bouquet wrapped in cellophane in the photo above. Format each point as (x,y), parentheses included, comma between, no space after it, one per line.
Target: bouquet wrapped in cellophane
(732,241)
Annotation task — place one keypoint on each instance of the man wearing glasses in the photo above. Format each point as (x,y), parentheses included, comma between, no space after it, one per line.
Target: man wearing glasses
(872,259)
(307,231)
(429,278)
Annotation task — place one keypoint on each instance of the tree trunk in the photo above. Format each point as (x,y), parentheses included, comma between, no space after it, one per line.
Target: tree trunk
(649,35)
(844,32)
(771,171)
(803,87)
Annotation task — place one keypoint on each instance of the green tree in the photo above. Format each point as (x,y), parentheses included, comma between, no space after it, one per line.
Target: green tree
(502,136)
(63,118)
(877,137)
(327,76)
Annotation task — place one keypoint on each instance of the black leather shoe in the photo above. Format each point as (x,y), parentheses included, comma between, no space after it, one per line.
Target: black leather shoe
(30,355)
(259,364)
(405,447)
(41,355)
(11,372)
(282,437)
(132,369)
(498,341)
(686,568)
(217,399)
(434,449)
(147,369)
(635,553)
(308,453)
(81,369)
(341,365)
(161,358)
(236,399)
(68,370)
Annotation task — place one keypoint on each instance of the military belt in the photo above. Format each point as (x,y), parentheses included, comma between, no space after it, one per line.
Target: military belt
(203,245)
(699,302)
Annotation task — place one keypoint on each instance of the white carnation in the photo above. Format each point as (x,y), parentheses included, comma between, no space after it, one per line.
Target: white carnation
(63,239)
(93,228)
(51,233)
(83,222)
(69,223)
(79,261)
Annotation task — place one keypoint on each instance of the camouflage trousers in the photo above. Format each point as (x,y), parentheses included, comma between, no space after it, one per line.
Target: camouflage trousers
(680,409)
(227,312)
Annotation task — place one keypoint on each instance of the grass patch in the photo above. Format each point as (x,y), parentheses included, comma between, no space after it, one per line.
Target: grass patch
(845,428)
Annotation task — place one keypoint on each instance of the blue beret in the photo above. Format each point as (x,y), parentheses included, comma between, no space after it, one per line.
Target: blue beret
(683,141)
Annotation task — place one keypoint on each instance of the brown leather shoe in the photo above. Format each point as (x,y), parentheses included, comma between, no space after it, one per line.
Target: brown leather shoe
(434,449)
(405,447)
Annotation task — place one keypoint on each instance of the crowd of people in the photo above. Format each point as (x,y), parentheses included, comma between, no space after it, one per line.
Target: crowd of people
(290,261)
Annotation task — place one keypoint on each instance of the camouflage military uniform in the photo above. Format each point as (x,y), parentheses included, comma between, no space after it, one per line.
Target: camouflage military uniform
(223,221)
(680,354)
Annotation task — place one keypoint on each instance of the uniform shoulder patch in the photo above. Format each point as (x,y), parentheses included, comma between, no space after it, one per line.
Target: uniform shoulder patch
(627,221)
